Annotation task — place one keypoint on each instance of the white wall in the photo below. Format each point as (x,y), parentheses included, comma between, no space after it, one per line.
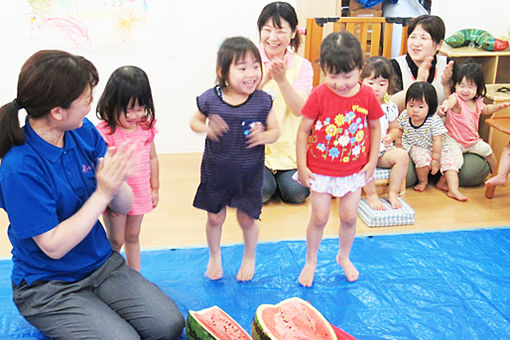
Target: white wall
(175,44)
(489,15)
(174,41)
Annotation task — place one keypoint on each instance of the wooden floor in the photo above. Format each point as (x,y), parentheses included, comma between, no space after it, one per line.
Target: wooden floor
(175,223)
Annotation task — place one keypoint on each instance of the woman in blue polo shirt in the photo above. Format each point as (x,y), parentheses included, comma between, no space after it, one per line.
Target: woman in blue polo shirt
(56,178)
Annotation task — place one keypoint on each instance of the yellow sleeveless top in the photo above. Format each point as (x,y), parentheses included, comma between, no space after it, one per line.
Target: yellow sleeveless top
(281,155)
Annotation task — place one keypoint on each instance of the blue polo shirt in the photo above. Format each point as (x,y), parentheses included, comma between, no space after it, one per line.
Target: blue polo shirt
(42,185)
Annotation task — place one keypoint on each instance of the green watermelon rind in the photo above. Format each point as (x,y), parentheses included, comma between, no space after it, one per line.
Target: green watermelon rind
(196,331)
(259,332)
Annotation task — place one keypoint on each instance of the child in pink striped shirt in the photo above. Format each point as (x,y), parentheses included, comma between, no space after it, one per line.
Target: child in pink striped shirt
(126,110)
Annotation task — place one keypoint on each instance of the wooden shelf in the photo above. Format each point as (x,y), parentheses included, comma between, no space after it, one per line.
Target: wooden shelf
(495,65)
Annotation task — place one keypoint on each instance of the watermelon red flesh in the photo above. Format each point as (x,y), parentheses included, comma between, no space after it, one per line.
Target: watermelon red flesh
(292,319)
(217,323)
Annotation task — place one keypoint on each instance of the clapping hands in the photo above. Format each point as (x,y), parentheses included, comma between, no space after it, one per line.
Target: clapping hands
(216,127)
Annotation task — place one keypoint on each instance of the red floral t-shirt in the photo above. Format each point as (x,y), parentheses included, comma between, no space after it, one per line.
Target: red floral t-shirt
(339,143)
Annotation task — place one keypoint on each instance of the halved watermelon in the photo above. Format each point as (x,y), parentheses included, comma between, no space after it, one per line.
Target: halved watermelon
(294,319)
(213,323)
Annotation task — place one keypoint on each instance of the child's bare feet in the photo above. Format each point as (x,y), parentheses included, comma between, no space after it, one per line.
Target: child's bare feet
(394,201)
(375,203)
(247,269)
(441,184)
(214,268)
(457,195)
(420,186)
(350,271)
(496,180)
(307,274)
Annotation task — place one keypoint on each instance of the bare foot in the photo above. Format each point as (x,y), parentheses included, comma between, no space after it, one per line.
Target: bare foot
(420,186)
(394,201)
(457,195)
(214,268)
(496,180)
(247,269)
(375,203)
(307,274)
(441,184)
(350,271)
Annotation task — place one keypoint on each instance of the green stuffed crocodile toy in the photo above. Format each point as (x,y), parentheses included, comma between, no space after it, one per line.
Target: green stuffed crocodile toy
(476,37)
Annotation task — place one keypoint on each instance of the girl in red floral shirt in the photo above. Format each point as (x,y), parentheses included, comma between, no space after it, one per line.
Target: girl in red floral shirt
(337,147)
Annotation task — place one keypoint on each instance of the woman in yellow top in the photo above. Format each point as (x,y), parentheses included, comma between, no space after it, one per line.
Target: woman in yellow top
(288,79)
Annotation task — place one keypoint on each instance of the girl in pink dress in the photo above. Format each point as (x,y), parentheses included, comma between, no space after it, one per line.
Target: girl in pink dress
(126,109)
(463,109)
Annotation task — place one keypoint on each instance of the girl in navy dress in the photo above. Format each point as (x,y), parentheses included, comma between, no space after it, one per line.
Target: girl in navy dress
(238,121)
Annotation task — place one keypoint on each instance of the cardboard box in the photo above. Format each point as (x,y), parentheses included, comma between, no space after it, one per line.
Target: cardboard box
(366,12)
(354,5)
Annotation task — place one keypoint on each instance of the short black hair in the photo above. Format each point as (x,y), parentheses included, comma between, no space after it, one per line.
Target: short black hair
(281,10)
(423,91)
(126,86)
(232,50)
(340,52)
(473,73)
(433,24)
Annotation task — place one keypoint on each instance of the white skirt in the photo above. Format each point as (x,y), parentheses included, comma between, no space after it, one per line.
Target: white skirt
(336,186)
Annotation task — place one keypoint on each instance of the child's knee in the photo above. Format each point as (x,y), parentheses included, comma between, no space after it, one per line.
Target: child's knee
(319,219)
(116,244)
(245,220)
(215,220)
(402,157)
(132,237)
(348,218)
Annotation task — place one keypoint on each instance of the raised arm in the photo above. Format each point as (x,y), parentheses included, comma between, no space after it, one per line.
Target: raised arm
(449,103)
(423,74)
(491,108)
(111,190)
(294,98)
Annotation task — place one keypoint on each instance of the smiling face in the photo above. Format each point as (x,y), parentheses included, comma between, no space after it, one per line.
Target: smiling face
(134,114)
(344,84)
(244,75)
(417,110)
(420,45)
(379,85)
(466,89)
(274,39)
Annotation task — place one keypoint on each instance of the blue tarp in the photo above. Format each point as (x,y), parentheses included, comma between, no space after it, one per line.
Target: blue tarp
(369,3)
(451,285)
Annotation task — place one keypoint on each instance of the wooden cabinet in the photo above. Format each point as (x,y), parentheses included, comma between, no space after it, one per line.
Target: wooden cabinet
(495,65)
